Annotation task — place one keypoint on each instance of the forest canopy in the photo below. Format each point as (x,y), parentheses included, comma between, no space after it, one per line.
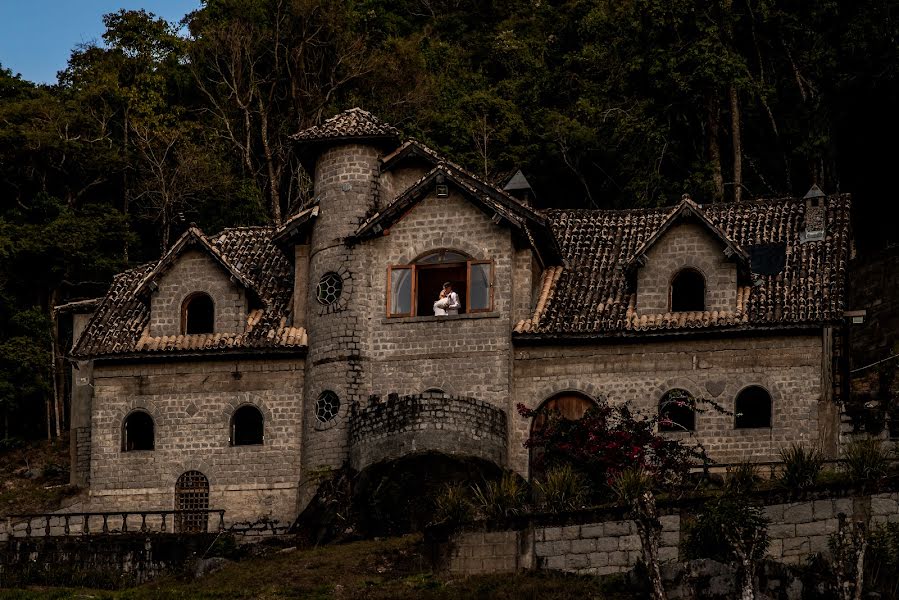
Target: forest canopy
(601,103)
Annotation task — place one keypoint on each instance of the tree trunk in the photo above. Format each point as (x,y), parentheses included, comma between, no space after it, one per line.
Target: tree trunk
(747,589)
(56,369)
(713,133)
(274,173)
(648,528)
(737,143)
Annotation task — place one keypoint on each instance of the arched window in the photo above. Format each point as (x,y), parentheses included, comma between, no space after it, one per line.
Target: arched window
(688,291)
(192,498)
(137,432)
(414,288)
(198,314)
(752,408)
(570,406)
(246,426)
(677,411)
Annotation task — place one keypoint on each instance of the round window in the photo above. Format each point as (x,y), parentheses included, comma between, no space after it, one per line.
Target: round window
(327,406)
(329,288)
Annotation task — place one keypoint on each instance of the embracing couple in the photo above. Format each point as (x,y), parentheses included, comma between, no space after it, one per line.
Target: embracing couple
(448,303)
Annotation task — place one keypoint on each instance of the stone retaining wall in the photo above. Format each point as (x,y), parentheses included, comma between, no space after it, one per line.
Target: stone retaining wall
(597,543)
(427,422)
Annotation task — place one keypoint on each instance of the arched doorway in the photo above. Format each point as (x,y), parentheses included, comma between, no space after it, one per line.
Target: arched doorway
(570,406)
(192,497)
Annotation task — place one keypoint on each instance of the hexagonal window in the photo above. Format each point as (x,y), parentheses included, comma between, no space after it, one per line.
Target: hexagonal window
(327,406)
(329,288)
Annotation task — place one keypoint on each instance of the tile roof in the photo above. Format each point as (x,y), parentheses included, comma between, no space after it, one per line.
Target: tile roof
(593,294)
(120,325)
(492,199)
(352,123)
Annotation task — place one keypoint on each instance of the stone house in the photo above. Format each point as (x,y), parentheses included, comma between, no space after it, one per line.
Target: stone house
(239,367)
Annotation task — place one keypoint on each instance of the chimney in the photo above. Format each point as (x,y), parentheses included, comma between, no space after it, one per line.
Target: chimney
(815,213)
(520,188)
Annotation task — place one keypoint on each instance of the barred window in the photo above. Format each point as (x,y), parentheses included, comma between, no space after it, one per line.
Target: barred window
(327,406)
(330,286)
(192,499)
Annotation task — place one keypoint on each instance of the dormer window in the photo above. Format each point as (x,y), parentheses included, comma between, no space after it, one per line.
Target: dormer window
(198,314)
(413,289)
(688,291)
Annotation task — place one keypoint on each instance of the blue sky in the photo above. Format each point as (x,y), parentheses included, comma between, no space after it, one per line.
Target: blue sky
(37,36)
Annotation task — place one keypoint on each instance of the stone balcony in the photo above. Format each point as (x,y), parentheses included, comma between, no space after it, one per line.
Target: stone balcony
(402,425)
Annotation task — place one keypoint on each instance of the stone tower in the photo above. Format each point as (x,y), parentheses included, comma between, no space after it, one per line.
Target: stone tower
(345,149)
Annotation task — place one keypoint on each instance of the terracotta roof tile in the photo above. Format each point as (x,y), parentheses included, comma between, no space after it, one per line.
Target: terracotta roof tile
(594,294)
(352,123)
(120,324)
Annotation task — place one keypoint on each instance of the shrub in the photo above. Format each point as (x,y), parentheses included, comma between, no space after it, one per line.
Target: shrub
(801,466)
(865,460)
(727,529)
(741,478)
(883,556)
(629,484)
(561,489)
(501,499)
(453,505)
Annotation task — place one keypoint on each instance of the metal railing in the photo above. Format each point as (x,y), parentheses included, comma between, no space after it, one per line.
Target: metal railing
(114,522)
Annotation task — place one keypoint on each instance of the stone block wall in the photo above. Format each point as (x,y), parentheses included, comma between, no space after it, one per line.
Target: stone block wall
(195,271)
(191,403)
(789,367)
(346,185)
(466,356)
(686,245)
(595,543)
(600,548)
(452,425)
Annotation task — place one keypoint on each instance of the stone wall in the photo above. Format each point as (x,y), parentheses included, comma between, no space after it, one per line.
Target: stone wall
(191,403)
(686,245)
(195,271)
(102,561)
(604,542)
(432,421)
(338,333)
(789,367)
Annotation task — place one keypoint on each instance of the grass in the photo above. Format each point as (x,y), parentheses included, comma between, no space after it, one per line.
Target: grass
(370,570)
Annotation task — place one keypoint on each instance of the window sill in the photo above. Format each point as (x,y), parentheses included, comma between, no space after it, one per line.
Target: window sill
(432,318)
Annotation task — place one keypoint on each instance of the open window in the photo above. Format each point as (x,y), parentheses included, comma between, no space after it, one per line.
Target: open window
(688,291)
(752,408)
(247,426)
(413,289)
(138,432)
(198,314)
(677,410)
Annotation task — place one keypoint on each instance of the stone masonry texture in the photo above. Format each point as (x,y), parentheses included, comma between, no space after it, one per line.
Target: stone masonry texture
(355,352)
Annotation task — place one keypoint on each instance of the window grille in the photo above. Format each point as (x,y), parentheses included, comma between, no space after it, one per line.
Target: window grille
(330,286)
(327,406)
(192,494)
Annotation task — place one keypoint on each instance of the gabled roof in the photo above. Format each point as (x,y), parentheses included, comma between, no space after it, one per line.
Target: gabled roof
(120,325)
(592,295)
(518,182)
(295,224)
(495,202)
(411,148)
(193,238)
(687,209)
(352,124)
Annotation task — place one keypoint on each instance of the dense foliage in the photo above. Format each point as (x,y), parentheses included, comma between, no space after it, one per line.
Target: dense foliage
(608,440)
(603,103)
